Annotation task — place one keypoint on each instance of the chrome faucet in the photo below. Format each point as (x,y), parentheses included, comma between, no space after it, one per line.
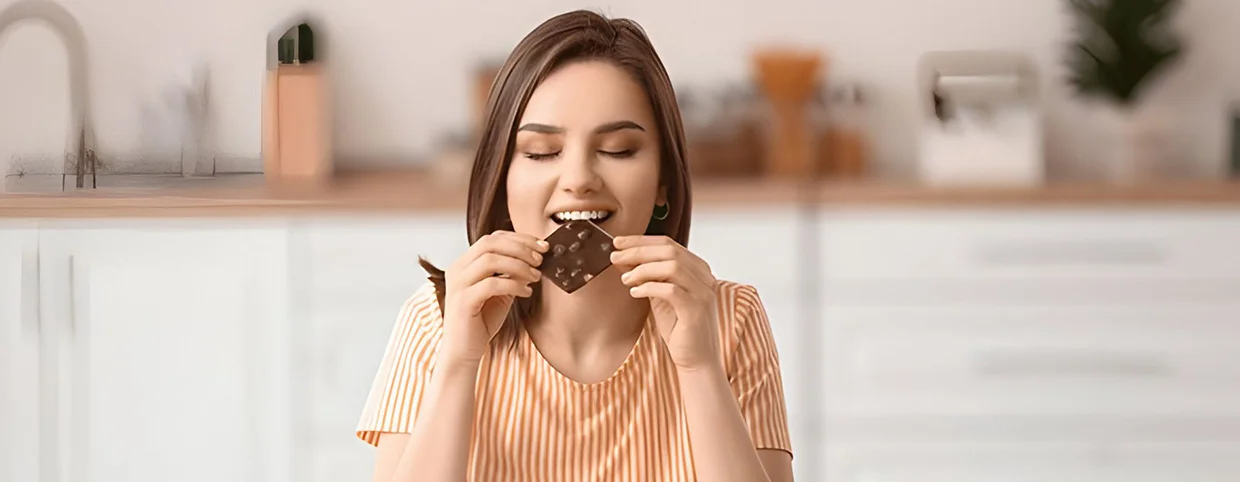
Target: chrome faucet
(81,159)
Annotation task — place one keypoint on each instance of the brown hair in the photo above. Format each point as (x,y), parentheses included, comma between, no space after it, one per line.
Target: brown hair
(565,38)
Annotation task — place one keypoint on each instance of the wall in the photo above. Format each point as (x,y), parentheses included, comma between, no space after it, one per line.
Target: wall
(403,69)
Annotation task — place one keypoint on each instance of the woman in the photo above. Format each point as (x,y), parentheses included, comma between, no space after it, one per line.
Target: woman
(653,371)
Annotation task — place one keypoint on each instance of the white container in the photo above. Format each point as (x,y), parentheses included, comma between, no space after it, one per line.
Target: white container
(981,120)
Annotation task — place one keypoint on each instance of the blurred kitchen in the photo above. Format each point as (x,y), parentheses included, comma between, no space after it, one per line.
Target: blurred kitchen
(997,240)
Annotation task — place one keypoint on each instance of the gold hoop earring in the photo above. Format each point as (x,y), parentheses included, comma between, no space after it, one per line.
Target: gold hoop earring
(661,212)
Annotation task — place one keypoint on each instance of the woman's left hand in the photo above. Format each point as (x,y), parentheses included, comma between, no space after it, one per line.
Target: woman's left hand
(681,290)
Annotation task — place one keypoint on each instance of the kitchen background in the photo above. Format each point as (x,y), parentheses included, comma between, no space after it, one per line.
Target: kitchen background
(403,70)
(997,284)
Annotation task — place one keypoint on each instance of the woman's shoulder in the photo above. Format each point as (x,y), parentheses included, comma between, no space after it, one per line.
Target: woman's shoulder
(420,315)
(740,310)
(745,331)
(737,300)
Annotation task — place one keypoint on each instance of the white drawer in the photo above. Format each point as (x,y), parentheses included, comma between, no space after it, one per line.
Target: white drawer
(1034,463)
(1066,362)
(757,246)
(965,244)
(371,262)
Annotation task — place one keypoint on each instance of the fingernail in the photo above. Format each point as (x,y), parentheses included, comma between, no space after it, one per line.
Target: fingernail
(613,256)
(625,277)
(538,258)
(536,273)
(633,291)
(543,244)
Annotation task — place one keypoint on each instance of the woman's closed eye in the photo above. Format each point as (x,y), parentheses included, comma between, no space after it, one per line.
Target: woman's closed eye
(623,154)
(542,156)
(539,156)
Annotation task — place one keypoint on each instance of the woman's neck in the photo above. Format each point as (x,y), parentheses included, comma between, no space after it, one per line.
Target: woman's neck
(599,317)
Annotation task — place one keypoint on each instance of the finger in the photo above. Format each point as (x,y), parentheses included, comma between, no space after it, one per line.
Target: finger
(668,292)
(624,242)
(533,242)
(490,265)
(486,289)
(510,244)
(658,271)
(634,256)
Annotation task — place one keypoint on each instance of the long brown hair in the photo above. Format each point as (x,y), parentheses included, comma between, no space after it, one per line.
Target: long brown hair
(565,38)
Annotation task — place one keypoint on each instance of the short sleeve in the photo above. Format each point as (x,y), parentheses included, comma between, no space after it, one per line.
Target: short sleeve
(405,370)
(754,372)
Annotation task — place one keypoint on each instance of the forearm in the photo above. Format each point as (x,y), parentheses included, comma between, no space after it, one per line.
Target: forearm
(438,449)
(722,448)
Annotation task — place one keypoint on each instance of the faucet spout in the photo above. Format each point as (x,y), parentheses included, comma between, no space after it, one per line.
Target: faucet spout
(81,159)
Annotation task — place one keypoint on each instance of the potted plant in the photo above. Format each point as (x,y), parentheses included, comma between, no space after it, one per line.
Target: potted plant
(1121,48)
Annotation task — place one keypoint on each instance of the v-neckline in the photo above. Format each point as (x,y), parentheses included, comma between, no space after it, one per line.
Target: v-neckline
(545,365)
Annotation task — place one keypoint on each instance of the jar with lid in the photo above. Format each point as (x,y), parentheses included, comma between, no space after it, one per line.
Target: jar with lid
(844,148)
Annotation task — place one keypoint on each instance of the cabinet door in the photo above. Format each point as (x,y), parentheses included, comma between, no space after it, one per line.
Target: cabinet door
(20,388)
(349,279)
(176,357)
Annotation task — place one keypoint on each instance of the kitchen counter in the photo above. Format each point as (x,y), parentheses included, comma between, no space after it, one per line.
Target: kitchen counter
(395,192)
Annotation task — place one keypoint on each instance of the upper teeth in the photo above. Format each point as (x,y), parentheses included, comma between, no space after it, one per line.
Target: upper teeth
(572,215)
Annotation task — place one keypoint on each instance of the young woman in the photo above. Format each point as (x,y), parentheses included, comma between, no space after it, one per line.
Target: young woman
(653,371)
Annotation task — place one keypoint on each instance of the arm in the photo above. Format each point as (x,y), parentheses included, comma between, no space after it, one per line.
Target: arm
(736,416)
(436,360)
(438,448)
(722,448)
(420,409)
(727,366)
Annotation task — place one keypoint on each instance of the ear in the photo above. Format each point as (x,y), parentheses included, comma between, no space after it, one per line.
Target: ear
(661,198)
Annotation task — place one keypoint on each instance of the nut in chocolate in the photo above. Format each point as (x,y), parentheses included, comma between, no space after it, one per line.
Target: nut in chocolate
(580,250)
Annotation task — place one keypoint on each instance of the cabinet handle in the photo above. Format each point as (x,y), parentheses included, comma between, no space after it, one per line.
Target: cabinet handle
(49,390)
(1070,364)
(73,296)
(1043,253)
(31,273)
(49,403)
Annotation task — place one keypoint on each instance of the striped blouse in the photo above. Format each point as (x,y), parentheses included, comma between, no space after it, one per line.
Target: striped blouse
(534,424)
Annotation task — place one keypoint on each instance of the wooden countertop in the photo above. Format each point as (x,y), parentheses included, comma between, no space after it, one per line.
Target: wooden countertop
(411,192)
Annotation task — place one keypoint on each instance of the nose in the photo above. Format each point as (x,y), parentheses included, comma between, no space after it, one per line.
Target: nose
(579,175)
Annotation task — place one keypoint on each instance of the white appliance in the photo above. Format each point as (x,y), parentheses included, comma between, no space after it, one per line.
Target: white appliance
(980,122)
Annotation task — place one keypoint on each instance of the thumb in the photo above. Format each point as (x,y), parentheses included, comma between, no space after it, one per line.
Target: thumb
(497,308)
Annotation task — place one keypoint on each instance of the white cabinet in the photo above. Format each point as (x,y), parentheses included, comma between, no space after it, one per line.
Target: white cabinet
(350,277)
(168,352)
(1009,345)
(1011,329)
(21,390)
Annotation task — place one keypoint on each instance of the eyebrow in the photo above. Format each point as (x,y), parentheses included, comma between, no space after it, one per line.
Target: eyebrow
(603,129)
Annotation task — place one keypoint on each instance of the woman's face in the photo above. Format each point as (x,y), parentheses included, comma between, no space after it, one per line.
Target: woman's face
(587,147)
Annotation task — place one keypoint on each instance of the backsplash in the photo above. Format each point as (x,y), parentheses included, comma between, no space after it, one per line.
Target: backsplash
(400,87)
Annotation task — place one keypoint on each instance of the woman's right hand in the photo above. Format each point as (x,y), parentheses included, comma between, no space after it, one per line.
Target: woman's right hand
(481,286)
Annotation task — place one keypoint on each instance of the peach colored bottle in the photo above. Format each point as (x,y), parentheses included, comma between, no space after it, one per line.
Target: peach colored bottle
(296,126)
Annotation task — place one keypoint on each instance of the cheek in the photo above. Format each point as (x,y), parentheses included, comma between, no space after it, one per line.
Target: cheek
(636,184)
(527,196)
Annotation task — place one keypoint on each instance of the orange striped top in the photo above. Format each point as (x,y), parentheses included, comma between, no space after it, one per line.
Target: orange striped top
(534,424)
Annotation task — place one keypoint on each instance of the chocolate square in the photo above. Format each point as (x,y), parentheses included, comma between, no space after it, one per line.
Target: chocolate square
(580,250)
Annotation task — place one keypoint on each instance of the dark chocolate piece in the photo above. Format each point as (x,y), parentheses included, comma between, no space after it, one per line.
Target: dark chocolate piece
(580,250)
